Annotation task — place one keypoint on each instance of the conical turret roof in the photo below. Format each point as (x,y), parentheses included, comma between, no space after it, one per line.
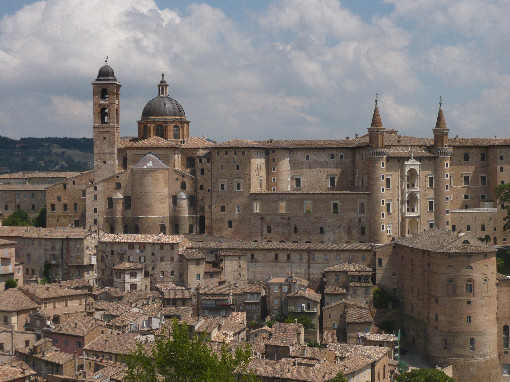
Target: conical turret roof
(440,123)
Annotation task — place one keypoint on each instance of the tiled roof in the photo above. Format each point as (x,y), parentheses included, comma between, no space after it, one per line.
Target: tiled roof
(42,174)
(234,143)
(215,289)
(111,308)
(329,337)
(52,355)
(333,289)
(77,325)
(290,279)
(306,293)
(42,292)
(248,288)
(23,187)
(193,254)
(127,266)
(121,343)
(380,337)
(13,300)
(44,233)
(406,151)
(348,267)
(126,318)
(177,293)
(373,353)
(443,241)
(15,370)
(196,143)
(153,142)
(240,245)
(358,315)
(308,143)
(136,238)
(7,242)
(178,311)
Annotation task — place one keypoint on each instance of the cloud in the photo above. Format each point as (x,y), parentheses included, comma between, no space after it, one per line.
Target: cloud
(297,69)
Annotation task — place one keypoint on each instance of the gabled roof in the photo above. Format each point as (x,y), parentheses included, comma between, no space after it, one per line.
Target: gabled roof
(150,161)
(13,300)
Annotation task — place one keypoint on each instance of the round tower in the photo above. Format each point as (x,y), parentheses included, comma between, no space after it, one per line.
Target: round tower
(150,201)
(182,212)
(376,157)
(462,322)
(442,187)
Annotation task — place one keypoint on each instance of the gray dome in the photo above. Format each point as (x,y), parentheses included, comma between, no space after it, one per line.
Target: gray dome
(163,106)
(106,74)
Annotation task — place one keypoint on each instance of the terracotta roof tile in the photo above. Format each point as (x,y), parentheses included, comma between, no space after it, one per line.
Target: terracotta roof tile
(121,343)
(77,325)
(306,293)
(443,241)
(348,267)
(127,266)
(38,291)
(136,238)
(15,370)
(13,300)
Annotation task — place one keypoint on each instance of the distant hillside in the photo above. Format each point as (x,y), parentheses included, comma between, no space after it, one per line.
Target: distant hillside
(46,154)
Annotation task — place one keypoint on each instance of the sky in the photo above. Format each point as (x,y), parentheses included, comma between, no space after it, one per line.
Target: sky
(260,69)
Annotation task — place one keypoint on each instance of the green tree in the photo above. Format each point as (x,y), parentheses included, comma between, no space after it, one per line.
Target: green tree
(503,195)
(339,378)
(46,273)
(182,358)
(11,283)
(424,375)
(381,298)
(301,319)
(40,219)
(17,218)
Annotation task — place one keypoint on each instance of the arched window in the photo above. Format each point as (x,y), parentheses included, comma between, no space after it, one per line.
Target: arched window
(104,115)
(159,131)
(469,286)
(176,132)
(505,337)
(104,94)
(145,132)
(183,185)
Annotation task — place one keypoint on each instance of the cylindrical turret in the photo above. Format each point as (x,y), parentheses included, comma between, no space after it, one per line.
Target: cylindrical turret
(182,212)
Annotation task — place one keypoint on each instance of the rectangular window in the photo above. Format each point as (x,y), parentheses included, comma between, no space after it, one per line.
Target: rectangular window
(431,181)
(466,180)
(472,344)
(52,207)
(388,182)
(238,186)
(222,208)
(282,207)
(482,157)
(223,186)
(256,207)
(466,157)
(483,180)
(127,202)
(297,182)
(445,344)
(332,181)
(469,288)
(307,205)
(64,207)
(110,203)
(361,208)
(468,319)
(334,207)
(388,206)
(431,205)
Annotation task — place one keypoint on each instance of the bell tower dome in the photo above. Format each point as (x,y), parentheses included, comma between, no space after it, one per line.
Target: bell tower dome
(106,125)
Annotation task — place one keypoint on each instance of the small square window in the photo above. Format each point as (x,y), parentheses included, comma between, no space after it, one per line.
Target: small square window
(307,157)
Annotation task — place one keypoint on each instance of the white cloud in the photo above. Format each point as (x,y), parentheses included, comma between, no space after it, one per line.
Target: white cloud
(300,69)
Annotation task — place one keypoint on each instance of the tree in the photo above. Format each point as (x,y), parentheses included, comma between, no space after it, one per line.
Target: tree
(424,375)
(301,319)
(40,219)
(182,358)
(503,195)
(339,378)
(11,283)
(17,218)
(381,298)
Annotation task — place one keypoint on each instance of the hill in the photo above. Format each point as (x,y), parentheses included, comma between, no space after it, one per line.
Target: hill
(46,154)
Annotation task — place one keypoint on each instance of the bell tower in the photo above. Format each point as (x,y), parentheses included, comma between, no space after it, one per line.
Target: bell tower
(106,113)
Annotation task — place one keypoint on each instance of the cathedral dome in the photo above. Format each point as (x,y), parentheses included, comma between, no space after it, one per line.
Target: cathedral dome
(163,106)
(106,74)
